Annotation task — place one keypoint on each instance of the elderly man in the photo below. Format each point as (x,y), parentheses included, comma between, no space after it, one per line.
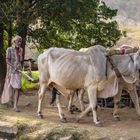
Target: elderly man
(13,77)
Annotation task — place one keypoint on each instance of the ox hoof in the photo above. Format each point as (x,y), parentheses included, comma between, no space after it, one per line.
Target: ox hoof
(71,112)
(78,120)
(99,124)
(64,120)
(40,116)
(116,119)
(74,108)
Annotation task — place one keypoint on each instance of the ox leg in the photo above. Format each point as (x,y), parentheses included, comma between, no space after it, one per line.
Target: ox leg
(84,113)
(61,114)
(92,95)
(70,103)
(134,96)
(16,98)
(41,95)
(81,96)
(116,105)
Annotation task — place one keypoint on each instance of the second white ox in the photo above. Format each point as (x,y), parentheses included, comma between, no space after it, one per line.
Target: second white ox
(75,70)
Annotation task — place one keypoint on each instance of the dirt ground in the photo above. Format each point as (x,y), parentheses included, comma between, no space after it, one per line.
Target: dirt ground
(126,129)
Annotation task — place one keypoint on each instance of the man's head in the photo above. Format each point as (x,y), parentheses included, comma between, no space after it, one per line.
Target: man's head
(17,40)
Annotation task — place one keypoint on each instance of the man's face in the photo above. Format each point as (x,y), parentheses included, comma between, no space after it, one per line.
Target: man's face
(18,43)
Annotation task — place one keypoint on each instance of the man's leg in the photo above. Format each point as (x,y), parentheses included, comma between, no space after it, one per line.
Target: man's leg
(16,97)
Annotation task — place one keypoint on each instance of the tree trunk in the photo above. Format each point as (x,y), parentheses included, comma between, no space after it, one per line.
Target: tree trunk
(22,31)
(10,34)
(2,60)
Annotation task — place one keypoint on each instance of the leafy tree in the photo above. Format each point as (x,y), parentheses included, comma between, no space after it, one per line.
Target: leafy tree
(75,24)
(63,23)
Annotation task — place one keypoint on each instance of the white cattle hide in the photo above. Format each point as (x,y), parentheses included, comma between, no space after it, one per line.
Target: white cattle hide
(73,70)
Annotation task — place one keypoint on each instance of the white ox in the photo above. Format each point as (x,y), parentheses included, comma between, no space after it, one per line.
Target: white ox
(75,70)
(122,85)
(79,91)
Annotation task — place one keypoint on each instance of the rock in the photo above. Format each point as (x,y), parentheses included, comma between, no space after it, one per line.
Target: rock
(62,138)
(67,138)
(8,130)
(104,138)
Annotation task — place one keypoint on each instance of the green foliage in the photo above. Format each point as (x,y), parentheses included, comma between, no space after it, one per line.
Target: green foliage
(76,24)
(62,23)
(27,84)
(5,40)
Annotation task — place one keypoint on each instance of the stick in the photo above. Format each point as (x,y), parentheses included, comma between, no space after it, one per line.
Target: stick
(30,78)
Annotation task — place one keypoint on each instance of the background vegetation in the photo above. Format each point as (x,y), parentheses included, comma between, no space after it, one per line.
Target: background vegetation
(56,23)
(26,84)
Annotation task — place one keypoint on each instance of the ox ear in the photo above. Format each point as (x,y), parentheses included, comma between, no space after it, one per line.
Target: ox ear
(136,63)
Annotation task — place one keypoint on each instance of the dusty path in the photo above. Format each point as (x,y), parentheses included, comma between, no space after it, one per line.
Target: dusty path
(127,129)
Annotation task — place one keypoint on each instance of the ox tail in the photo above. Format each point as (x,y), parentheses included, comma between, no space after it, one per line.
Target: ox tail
(54,93)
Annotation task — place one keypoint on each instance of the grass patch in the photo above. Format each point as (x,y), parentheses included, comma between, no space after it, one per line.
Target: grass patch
(23,130)
(3,108)
(58,133)
(27,85)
